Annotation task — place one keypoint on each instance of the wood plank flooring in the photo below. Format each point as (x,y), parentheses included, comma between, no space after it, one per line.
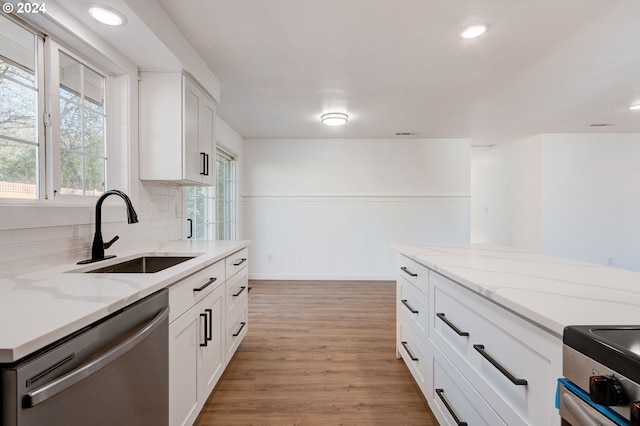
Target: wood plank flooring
(318,353)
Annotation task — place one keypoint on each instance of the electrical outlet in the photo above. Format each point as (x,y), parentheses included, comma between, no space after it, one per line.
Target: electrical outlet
(269,258)
(178,210)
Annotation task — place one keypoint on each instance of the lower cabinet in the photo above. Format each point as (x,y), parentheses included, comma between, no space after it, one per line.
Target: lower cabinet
(475,362)
(196,357)
(203,334)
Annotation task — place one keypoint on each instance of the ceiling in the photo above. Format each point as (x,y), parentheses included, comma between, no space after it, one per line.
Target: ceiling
(543,66)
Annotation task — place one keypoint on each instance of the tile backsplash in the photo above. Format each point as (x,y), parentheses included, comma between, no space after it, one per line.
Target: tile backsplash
(159,209)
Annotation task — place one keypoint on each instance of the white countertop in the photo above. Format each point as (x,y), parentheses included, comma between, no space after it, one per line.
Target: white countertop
(549,291)
(39,308)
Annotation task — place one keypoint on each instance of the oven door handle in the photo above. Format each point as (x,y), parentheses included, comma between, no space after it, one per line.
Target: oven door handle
(572,404)
(64,382)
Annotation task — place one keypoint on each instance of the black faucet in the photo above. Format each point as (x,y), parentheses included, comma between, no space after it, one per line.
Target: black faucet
(98,247)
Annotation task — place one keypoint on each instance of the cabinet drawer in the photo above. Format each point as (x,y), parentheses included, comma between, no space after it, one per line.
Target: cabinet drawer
(237,262)
(413,272)
(187,292)
(414,306)
(455,401)
(506,359)
(236,330)
(236,289)
(415,354)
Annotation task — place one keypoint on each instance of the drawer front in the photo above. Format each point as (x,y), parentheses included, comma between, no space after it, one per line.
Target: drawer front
(187,292)
(414,306)
(509,361)
(413,272)
(235,331)
(417,357)
(237,289)
(237,262)
(454,399)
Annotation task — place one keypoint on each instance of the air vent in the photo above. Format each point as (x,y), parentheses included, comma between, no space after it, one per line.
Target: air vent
(600,124)
(405,134)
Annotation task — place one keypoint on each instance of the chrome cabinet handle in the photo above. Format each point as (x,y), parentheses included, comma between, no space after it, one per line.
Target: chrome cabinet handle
(64,382)
(440,393)
(205,285)
(406,348)
(237,333)
(451,325)
(240,292)
(408,306)
(240,262)
(406,271)
(500,367)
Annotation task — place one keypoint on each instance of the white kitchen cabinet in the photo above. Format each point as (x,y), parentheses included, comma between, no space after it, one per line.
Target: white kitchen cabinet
(196,357)
(204,333)
(487,363)
(177,130)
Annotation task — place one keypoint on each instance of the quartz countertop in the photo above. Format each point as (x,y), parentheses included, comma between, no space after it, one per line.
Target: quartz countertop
(549,291)
(38,308)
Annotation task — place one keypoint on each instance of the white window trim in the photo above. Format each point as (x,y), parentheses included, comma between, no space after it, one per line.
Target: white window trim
(123,150)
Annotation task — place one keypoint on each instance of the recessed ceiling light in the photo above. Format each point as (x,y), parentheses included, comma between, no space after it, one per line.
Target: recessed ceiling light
(635,107)
(473,31)
(334,118)
(107,15)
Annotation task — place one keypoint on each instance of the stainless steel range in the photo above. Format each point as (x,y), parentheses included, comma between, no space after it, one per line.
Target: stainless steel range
(601,368)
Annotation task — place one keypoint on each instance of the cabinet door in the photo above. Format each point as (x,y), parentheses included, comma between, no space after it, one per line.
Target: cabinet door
(207,139)
(194,161)
(183,374)
(211,357)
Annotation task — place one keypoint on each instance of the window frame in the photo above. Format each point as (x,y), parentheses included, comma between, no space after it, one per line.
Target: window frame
(120,102)
(52,55)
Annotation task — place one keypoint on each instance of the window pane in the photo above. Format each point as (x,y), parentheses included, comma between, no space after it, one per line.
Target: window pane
(18,112)
(71,172)
(94,175)
(70,121)
(82,128)
(17,170)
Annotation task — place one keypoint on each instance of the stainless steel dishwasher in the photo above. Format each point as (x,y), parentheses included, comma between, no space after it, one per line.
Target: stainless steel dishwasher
(113,372)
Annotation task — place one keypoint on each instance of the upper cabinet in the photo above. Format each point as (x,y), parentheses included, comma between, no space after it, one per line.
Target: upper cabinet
(177,130)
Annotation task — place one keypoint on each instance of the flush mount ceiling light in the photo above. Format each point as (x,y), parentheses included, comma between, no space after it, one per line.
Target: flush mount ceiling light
(473,31)
(635,107)
(334,118)
(107,15)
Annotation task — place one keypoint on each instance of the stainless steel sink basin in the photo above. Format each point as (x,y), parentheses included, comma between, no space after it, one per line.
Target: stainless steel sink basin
(142,265)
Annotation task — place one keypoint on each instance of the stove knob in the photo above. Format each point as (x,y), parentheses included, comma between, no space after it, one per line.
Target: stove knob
(635,414)
(607,390)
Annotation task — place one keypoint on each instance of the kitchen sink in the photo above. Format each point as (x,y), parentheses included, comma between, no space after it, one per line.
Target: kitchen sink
(141,265)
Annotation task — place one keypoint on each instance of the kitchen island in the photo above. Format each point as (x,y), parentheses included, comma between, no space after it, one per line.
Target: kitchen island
(480,327)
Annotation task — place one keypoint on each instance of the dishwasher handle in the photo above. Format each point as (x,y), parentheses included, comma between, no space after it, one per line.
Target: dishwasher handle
(64,382)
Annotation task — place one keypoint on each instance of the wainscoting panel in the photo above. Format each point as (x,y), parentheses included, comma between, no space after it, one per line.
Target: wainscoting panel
(345,237)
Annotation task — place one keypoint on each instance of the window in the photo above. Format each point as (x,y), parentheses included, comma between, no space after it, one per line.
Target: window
(225,196)
(82,128)
(71,136)
(211,211)
(20,97)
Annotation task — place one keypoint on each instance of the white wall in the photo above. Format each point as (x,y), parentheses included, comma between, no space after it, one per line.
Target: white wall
(506,194)
(570,195)
(591,198)
(329,209)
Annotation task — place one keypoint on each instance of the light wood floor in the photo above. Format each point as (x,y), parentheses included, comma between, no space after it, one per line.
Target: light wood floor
(318,353)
